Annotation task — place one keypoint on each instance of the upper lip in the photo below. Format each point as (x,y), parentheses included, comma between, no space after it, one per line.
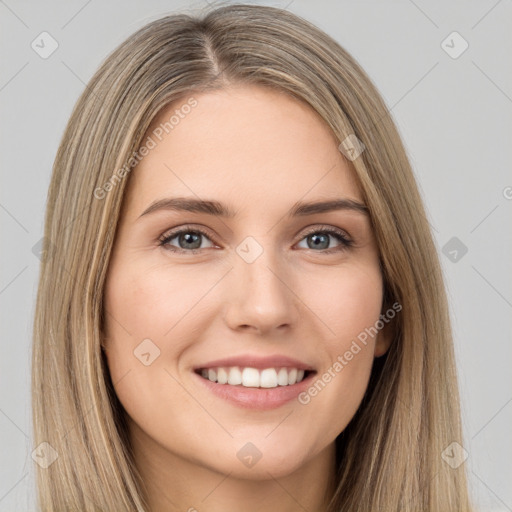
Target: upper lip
(251,361)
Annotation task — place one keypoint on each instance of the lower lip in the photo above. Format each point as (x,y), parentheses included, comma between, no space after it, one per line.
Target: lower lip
(257,398)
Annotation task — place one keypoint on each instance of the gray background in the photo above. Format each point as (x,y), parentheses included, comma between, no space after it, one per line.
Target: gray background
(454,114)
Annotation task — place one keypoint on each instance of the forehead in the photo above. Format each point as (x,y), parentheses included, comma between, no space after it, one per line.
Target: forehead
(249,146)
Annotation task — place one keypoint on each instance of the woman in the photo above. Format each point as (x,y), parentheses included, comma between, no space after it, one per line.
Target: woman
(243,305)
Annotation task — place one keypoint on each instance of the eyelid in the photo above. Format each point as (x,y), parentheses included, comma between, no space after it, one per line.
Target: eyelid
(173,232)
(325,228)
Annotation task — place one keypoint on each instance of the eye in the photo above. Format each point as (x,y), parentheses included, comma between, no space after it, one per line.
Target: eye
(189,240)
(319,238)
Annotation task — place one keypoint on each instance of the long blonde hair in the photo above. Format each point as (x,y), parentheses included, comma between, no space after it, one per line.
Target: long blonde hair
(390,455)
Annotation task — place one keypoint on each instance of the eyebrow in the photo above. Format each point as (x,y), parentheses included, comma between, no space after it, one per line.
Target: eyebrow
(210,207)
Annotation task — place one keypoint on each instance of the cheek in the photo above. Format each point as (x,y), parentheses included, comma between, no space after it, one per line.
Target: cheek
(349,306)
(144,308)
(152,303)
(347,301)
(152,317)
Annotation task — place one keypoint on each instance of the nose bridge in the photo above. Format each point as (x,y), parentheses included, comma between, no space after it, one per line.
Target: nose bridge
(259,289)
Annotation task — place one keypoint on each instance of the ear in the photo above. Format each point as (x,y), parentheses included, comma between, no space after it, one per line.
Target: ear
(384,339)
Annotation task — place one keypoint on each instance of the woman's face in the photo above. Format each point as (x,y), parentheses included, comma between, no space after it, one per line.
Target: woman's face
(266,293)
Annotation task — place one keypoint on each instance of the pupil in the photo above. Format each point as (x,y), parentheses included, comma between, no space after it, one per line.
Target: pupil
(189,238)
(316,242)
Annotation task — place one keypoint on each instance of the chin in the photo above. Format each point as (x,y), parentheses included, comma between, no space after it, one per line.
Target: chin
(260,458)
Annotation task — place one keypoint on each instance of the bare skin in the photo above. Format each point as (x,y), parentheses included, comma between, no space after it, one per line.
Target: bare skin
(258,152)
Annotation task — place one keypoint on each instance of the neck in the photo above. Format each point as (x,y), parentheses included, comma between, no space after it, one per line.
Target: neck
(174,483)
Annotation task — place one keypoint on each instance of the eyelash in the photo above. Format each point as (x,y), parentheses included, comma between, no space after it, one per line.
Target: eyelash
(345,243)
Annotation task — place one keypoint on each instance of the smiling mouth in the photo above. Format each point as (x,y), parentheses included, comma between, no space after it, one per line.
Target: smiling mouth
(253,377)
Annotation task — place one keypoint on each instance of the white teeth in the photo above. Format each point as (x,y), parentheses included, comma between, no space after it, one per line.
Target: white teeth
(251,378)
(234,376)
(292,376)
(282,377)
(254,378)
(222,376)
(268,378)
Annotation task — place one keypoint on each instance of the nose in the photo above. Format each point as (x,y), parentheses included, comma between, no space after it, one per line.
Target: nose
(261,295)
